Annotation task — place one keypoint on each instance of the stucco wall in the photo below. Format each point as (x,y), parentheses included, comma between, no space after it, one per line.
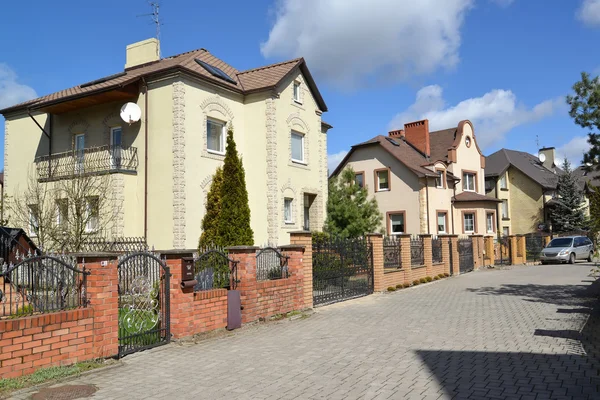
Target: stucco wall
(480,209)
(468,159)
(525,203)
(439,200)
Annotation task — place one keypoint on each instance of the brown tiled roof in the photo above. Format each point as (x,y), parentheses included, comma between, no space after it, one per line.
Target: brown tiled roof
(472,196)
(528,164)
(246,81)
(440,142)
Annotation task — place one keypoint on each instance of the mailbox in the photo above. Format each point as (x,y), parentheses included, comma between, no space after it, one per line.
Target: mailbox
(187,269)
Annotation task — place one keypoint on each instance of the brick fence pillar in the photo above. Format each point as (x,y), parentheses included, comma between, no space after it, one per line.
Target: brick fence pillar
(522,246)
(454,255)
(445,252)
(182,300)
(489,251)
(547,239)
(514,258)
(405,257)
(427,254)
(376,239)
(246,274)
(477,251)
(304,238)
(295,253)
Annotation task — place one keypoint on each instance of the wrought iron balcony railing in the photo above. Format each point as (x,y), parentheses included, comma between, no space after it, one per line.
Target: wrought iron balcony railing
(93,160)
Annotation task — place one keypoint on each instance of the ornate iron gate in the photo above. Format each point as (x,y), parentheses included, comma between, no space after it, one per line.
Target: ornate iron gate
(465,255)
(144,301)
(342,269)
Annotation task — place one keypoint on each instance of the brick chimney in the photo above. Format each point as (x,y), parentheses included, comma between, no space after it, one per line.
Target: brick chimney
(396,134)
(417,134)
(142,52)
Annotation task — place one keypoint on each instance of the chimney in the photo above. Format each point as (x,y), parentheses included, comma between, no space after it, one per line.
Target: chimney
(549,153)
(417,134)
(396,134)
(142,52)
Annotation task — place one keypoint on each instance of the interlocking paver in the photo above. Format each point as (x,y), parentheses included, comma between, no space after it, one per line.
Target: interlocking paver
(510,334)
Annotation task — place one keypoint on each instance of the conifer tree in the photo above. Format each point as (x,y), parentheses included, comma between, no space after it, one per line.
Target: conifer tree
(350,212)
(210,222)
(585,110)
(567,214)
(234,218)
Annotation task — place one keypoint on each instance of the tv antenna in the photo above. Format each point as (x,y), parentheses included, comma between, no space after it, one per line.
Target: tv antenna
(537,141)
(155,17)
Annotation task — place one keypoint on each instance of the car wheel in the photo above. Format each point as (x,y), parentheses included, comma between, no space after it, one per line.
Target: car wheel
(589,259)
(572,258)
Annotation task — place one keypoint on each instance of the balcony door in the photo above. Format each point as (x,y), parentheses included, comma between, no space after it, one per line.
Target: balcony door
(79,153)
(116,135)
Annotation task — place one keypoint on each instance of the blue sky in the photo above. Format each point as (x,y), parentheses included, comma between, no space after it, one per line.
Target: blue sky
(504,64)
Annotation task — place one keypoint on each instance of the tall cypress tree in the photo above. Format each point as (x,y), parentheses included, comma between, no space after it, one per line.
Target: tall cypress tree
(567,214)
(210,222)
(234,218)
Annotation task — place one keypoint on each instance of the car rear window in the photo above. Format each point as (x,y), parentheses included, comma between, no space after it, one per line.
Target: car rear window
(561,242)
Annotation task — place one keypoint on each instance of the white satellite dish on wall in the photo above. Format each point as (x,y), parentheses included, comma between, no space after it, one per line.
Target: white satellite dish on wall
(130,113)
(542,157)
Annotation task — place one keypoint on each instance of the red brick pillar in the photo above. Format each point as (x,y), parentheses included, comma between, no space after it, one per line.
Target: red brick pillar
(405,257)
(103,297)
(522,246)
(376,239)
(445,252)
(489,251)
(304,238)
(182,300)
(547,239)
(454,254)
(477,251)
(246,274)
(295,252)
(427,254)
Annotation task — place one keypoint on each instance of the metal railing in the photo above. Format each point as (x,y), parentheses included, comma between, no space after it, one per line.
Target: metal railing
(115,245)
(391,253)
(214,269)
(271,264)
(87,161)
(417,253)
(436,251)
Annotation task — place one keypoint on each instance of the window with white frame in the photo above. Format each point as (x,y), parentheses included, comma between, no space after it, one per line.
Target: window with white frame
(297,98)
(469,181)
(469,222)
(441,216)
(288,216)
(297,147)
(396,224)
(383,180)
(490,222)
(215,136)
(503,183)
(504,209)
(34,220)
(62,212)
(505,231)
(439,179)
(92,214)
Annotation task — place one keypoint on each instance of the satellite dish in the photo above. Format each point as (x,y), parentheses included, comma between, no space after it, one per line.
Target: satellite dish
(130,113)
(542,157)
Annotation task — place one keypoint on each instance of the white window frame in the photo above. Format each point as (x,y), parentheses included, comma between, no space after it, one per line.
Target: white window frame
(290,201)
(303,160)
(392,233)
(489,216)
(466,182)
(89,227)
(79,154)
(505,209)
(441,178)
(503,181)
(34,222)
(379,189)
(297,93)
(115,153)
(445,215)
(59,215)
(223,125)
(465,222)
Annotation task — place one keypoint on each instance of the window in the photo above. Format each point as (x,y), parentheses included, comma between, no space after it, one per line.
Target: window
(34,221)
(116,135)
(383,179)
(469,182)
(503,184)
(297,147)
(490,222)
(287,211)
(297,92)
(489,185)
(79,152)
(92,214)
(359,179)
(505,231)
(396,222)
(504,209)
(439,180)
(215,136)
(62,212)
(441,216)
(469,222)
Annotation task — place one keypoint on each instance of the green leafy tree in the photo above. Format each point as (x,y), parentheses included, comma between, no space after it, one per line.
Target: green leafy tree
(567,214)
(585,110)
(210,222)
(234,218)
(350,212)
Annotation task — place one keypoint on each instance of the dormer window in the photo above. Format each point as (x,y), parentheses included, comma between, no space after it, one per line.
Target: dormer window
(297,92)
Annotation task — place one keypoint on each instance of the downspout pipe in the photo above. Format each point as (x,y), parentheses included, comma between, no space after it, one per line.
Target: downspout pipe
(452,207)
(145,90)
(427,200)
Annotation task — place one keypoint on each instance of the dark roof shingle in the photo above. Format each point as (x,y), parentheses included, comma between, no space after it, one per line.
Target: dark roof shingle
(528,164)
(472,196)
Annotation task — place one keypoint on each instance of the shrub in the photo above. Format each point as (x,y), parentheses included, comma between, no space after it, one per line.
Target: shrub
(436,278)
(429,279)
(423,280)
(440,276)
(406,285)
(416,282)
(399,286)
(446,274)
(391,289)
(23,311)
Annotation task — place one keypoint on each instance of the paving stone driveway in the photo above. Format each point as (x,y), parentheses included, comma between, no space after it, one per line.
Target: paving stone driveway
(508,334)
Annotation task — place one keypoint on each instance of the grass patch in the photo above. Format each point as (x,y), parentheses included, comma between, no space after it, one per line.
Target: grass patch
(48,374)
(138,321)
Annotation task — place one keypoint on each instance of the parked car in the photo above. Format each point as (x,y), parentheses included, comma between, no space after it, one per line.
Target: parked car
(568,249)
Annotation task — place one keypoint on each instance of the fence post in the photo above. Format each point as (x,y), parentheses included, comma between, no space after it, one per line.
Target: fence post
(445,252)
(246,272)
(182,300)
(376,239)
(477,250)
(522,248)
(514,259)
(427,253)
(455,267)
(489,251)
(296,271)
(405,257)
(547,239)
(304,238)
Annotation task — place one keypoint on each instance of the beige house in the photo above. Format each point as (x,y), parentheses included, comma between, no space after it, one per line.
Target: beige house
(162,166)
(426,182)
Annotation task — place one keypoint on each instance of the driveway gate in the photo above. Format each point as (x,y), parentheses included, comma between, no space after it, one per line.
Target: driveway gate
(502,251)
(342,269)
(143,302)
(465,255)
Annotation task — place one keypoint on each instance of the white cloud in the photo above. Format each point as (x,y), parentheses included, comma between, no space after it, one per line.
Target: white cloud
(333,160)
(493,114)
(573,151)
(589,12)
(12,92)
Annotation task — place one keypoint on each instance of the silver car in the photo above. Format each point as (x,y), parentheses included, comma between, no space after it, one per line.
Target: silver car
(567,249)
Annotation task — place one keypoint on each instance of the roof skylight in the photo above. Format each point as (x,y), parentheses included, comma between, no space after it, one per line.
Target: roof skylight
(214,71)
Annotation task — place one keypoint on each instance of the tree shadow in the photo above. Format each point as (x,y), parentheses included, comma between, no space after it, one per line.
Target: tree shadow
(502,375)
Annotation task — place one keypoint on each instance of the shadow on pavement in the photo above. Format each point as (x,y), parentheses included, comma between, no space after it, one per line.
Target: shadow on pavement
(500,375)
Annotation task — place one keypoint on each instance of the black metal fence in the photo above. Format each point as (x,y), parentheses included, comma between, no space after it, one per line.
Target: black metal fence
(502,251)
(392,253)
(417,252)
(41,284)
(215,270)
(436,251)
(115,245)
(466,261)
(533,246)
(271,264)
